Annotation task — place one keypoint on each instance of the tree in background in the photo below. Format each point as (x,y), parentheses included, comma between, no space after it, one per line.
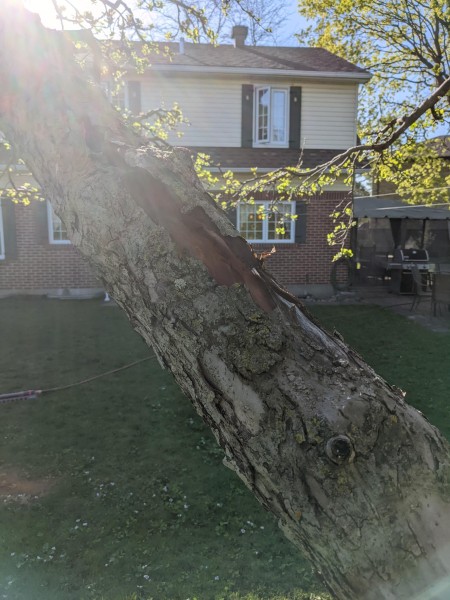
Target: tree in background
(406,45)
(201,21)
(359,480)
(262,17)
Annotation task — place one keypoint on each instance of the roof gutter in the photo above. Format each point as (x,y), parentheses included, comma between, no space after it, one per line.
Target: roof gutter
(349,76)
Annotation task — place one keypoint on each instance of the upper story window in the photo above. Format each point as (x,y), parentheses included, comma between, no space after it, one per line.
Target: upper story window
(57,233)
(261,222)
(2,235)
(271,116)
(125,95)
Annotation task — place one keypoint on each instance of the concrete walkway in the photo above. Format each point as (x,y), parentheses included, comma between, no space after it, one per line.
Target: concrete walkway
(400,304)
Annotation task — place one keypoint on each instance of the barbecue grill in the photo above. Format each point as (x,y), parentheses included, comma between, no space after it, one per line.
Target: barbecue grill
(401,264)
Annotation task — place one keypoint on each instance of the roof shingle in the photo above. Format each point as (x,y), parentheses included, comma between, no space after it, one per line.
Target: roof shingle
(314,60)
(265,158)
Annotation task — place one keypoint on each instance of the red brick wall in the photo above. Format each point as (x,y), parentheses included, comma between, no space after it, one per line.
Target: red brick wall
(310,262)
(41,265)
(45,266)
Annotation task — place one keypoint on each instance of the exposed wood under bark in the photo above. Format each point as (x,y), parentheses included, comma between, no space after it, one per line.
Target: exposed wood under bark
(358,479)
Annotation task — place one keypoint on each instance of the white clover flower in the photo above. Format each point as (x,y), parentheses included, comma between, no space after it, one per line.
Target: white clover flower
(180,284)
(216,578)
(242,530)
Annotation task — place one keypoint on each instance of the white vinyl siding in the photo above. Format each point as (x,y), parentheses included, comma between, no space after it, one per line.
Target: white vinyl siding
(213,107)
(2,235)
(258,222)
(57,233)
(329,115)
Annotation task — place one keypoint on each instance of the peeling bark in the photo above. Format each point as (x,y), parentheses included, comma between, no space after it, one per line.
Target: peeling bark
(358,479)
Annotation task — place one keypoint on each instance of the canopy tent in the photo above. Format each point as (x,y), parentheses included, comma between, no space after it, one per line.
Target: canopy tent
(392,207)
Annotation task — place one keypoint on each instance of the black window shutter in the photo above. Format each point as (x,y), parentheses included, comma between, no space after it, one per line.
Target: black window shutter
(247,116)
(300,222)
(134,97)
(41,221)
(295,109)
(232,215)
(9,228)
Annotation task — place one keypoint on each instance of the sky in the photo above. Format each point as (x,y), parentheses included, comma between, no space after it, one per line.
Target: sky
(293,22)
(292,25)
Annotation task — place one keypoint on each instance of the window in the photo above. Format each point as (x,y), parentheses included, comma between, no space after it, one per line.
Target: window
(116,93)
(124,95)
(2,235)
(363,186)
(271,116)
(57,233)
(261,222)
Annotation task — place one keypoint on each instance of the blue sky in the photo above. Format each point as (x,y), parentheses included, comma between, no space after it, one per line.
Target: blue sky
(292,25)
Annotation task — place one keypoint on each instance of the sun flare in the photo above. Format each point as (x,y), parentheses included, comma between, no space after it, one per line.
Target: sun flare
(46,10)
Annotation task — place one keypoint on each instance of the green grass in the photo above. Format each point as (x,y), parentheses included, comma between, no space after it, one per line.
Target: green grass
(413,358)
(138,504)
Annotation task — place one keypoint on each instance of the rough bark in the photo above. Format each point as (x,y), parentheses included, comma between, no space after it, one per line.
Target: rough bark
(358,479)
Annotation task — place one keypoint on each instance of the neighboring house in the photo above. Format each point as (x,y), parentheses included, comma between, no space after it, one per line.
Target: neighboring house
(247,107)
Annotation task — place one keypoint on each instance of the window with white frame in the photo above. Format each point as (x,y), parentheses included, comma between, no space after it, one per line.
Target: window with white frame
(116,92)
(264,222)
(57,233)
(124,95)
(2,235)
(271,116)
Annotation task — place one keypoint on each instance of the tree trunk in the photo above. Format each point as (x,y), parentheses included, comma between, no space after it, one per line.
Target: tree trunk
(358,479)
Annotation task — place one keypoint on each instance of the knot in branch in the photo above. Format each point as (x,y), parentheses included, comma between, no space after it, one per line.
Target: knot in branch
(339,450)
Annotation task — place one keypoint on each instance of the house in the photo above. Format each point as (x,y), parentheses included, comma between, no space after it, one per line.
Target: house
(247,107)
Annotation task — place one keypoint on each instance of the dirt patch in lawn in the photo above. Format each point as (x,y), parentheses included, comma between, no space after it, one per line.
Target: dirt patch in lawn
(15,487)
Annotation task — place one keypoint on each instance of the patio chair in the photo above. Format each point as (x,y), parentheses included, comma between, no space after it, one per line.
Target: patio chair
(420,287)
(441,291)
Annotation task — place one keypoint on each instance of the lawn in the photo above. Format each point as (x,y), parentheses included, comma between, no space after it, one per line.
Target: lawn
(116,488)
